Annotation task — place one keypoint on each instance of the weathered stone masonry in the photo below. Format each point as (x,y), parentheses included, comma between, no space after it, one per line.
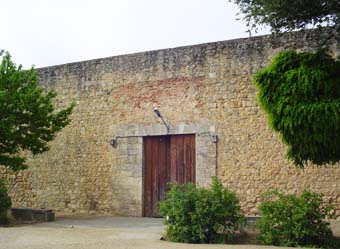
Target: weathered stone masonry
(203,89)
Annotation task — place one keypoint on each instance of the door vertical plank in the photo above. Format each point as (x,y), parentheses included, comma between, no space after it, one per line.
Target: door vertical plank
(173,160)
(147,177)
(168,164)
(187,158)
(193,158)
(180,159)
(162,164)
(155,157)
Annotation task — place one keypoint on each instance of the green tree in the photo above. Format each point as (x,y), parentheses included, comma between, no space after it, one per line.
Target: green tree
(28,118)
(289,15)
(300,91)
(301,94)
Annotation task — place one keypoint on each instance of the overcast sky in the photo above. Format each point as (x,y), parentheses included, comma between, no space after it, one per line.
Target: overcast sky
(50,32)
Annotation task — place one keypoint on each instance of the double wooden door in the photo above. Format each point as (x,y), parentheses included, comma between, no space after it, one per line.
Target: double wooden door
(167,159)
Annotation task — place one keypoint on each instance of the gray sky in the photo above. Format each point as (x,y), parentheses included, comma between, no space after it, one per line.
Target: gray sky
(50,32)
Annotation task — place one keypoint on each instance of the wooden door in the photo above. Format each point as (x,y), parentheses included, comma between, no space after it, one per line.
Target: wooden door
(157,172)
(182,158)
(167,159)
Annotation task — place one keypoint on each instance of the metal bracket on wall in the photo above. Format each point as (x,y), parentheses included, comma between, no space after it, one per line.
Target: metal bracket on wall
(113,141)
(213,137)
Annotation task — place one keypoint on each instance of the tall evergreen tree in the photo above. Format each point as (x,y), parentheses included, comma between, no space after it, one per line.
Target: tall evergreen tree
(300,91)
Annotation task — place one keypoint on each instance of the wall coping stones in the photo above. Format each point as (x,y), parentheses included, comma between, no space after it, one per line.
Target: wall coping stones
(198,54)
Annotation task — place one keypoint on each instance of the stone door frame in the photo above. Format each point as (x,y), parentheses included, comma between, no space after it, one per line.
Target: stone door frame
(128,169)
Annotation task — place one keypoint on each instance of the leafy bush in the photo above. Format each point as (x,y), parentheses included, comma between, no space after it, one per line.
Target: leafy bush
(5,203)
(288,220)
(201,215)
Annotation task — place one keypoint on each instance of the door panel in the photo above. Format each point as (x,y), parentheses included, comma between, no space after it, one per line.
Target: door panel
(148,177)
(167,159)
(189,159)
(156,172)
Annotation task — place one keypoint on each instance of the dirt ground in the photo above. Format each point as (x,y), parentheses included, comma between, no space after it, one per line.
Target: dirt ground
(100,233)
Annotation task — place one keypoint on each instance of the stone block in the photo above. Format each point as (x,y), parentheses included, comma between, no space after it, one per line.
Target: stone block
(28,215)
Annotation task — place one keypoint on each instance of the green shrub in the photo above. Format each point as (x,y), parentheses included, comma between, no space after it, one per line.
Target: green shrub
(201,215)
(5,203)
(288,220)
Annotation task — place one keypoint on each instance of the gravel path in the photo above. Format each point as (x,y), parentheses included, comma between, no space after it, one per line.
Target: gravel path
(96,233)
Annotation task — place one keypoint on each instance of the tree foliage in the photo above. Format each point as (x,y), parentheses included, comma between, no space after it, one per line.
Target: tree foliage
(301,93)
(288,15)
(28,119)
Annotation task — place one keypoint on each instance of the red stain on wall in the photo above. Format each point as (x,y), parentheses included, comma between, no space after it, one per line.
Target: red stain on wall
(139,96)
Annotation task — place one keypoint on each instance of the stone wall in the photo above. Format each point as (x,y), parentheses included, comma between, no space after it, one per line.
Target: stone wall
(203,89)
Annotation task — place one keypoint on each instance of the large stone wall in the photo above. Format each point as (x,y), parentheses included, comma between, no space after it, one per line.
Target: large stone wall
(203,89)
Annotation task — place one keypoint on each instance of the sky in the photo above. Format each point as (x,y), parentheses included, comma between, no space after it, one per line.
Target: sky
(51,32)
